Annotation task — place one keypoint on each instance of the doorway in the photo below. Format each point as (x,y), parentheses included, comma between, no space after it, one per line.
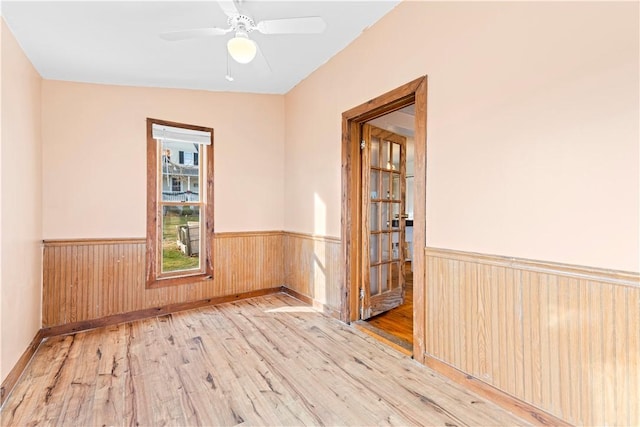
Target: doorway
(356,210)
(386,306)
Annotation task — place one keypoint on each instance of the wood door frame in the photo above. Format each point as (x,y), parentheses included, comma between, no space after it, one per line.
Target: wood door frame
(414,92)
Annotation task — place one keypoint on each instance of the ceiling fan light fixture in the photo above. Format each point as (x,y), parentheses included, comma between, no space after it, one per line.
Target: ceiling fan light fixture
(241,48)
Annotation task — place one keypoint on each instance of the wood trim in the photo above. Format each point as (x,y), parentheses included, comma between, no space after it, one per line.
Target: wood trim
(97,241)
(616,277)
(315,237)
(14,375)
(330,311)
(71,328)
(178,280)
(230,234)
(383,337)
(412,92)
(153,278)
(138,240)
(500,398)
(385,103)
(419,215)
(350,227)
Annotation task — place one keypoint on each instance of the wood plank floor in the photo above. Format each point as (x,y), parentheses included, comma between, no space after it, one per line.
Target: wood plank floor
(264,361)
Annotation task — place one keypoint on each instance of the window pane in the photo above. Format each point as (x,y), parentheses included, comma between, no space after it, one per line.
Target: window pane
(384,242)
(373,248)
(384,277)
(384,220)
(395,188)
(180,172)
(395,157)
(395,275)
(375,152)
(374,219)
(375,184)
(395,216)
(386,191)
(373,280)
(180,238)
(385,161)
(395,244)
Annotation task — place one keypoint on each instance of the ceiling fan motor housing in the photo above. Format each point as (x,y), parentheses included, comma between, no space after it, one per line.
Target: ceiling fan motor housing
(242,23)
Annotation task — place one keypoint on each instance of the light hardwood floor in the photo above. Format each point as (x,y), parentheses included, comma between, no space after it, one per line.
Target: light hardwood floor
(265,361)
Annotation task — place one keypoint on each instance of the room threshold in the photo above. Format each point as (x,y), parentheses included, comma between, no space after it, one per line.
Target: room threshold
(385,337)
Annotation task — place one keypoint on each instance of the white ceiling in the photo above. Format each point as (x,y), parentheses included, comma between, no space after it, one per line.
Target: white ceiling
(116,42)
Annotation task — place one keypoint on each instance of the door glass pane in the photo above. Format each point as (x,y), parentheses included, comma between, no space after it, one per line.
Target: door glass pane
(374,248)
(373,280)
(375,184)
(395,187)
(386,190)
(384,243)
(385,160)
(395,245)
(384,277)
(395,275)
(385,224)
(395,215)
(395,157)
(180,238)
(374,219)
(375,152)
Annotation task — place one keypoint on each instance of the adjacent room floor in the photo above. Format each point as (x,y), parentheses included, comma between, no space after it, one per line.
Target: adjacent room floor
(395,327)
(265,361)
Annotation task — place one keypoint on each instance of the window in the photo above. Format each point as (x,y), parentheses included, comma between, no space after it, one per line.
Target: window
(175,184)
(179,215)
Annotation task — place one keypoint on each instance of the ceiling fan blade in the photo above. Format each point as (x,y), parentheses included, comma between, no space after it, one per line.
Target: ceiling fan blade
(229,7)
(191,34)
(307,25)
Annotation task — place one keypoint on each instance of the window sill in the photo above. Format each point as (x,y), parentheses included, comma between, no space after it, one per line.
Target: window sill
(176,281)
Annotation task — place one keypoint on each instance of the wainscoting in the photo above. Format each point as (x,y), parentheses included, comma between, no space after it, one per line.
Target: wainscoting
(91,279)
(561,338)
(313,268)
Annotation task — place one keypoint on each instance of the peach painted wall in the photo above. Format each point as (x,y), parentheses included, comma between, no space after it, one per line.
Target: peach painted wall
(21,200)
(533,126)
(94,148)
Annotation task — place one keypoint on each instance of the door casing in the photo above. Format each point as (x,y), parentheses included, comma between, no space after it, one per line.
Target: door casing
(414,92)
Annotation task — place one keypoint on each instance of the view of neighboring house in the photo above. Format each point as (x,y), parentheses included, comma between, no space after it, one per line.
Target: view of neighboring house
(180,178)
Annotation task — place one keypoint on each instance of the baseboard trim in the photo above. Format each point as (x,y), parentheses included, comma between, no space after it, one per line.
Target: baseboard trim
(517,407)
(71,328)
(329,311)
(12,379)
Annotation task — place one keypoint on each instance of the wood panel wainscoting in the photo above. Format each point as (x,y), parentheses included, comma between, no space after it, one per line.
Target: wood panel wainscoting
(564,339)
(312,270)
(97,278)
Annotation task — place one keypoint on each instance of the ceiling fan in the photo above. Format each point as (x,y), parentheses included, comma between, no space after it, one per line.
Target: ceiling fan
(241,48)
